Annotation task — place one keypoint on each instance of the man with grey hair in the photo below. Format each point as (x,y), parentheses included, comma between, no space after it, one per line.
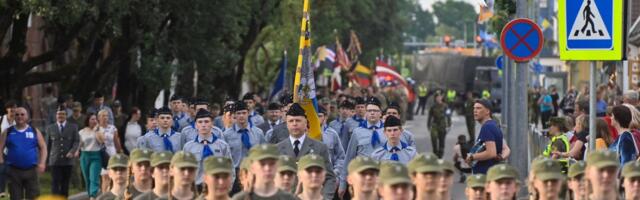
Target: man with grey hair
(630,97)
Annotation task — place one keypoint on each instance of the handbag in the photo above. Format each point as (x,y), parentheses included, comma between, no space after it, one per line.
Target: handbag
(104,156)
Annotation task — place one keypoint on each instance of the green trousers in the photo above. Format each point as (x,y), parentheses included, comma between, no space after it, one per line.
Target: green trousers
(90,164)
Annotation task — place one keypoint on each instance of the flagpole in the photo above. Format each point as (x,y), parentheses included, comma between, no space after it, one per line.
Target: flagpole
(303,29)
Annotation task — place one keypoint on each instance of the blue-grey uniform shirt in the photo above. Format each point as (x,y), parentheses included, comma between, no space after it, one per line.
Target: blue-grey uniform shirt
(190,132)
(336,152)
(234,138)
(196,146)
(343,127)
(180,120)
(403,151)
(154,141)
(407,137)
(255,119)
(360,143)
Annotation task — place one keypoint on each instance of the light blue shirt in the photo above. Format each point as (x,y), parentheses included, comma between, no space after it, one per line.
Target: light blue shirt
(234,139)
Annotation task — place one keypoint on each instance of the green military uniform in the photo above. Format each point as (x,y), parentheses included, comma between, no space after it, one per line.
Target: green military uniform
(631,170)
(287,164)
(137,156)
(362,163)
(576,169)
(547,169)
(157,158)
(392,173)
(502,171)
(215,165)
(118,160)
(476,181)
(438,124)
(424,163)
(602,159)
(257,153)
(468,116)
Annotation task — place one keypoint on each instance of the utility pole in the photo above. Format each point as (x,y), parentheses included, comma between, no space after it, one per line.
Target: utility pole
(518,125)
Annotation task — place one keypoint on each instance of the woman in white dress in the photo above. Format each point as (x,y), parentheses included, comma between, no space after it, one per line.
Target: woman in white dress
(111,143)
(133,130)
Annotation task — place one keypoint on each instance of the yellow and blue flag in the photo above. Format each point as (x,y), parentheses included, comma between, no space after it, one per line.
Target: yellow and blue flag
(304,84)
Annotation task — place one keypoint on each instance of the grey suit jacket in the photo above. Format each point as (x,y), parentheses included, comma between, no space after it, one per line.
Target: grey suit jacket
(264,127)
(313,146)
(59,144)
(279,133)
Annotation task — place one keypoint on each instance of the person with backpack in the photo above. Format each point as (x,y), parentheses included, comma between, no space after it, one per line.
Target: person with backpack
(460,152)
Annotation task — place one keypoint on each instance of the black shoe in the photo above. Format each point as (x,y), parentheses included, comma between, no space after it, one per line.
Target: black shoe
(463,178)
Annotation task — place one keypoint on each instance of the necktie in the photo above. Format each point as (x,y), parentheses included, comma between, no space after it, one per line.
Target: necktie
(167,143)
(61,128)
(246,142)
(296,150)
(206,152)
(375,137)
(394,154)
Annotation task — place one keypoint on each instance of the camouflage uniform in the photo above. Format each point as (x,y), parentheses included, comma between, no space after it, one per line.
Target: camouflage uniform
(437,123)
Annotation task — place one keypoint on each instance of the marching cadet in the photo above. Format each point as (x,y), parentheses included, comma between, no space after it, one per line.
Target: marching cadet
(152,122)
(394,110)
(475,187)
(262,165)
(576,184)
(183,174)
(343,122)
(118,174)
(299,144)
(336,152)
(425,172)
(601,174)
(164,138)
(255,119)
(241,137)
(365,140)
(286,178)
(190,132)
(226,120)
(363,178)
(311,170)
(394,149)
(180,118)
(206,144)
(395,182)
(161,176)
(359,118)
(631,180)
(280,132)
(218,178)
(140,171)
(274,117)
(437,124)
(502,182)
(446,180)
(547,179)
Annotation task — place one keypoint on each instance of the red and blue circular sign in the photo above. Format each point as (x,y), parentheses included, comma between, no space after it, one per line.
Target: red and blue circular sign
(521,40)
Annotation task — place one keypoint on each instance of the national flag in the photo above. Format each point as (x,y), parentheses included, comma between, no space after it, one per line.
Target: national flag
(279,85)
(485,14)
(362,75)
(386,72)
(304,83)
(342,59)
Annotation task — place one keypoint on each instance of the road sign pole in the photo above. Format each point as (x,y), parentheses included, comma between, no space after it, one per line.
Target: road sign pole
(592,107)
(520,113)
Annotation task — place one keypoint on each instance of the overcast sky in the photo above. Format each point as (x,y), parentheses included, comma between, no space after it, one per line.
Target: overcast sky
(426,4)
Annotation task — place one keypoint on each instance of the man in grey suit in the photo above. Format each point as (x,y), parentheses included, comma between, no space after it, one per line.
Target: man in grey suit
(273,117)
(280,132)
(62,141)
(299,144)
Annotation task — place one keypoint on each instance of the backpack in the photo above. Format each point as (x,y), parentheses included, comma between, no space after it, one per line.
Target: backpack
(636,139)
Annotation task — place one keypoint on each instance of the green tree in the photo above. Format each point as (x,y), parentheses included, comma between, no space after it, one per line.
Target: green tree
(456,14)
(421,23)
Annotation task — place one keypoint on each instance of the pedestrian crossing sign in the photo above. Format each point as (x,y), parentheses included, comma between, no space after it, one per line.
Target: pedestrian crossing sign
(590,29)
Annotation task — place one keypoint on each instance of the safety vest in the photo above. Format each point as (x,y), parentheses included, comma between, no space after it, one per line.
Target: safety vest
(451,95)
(549,149)
(422,91)
(486,94)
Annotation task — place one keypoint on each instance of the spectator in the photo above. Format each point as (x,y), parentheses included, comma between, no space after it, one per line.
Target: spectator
(26,156)
(603,135)
(48,105)
(62,141)
(133,130)
(91,141)
(546,107)
(554,100)
(624,145)
(568,102)
(119,116)
(601,104)
(490,139)
(77,117)
(8,120)
(111,143)
(460,152)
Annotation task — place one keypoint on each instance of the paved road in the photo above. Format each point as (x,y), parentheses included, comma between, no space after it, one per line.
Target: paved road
(418,126)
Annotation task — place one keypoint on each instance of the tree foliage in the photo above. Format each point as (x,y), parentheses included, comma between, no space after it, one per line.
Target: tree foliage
(456,14)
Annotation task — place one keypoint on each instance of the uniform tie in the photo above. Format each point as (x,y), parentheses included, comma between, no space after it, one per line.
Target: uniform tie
(296,149)
(176,124)
(394,154)
(206,151)
(61,128)
(245,138)
(167,143)
(375,137)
